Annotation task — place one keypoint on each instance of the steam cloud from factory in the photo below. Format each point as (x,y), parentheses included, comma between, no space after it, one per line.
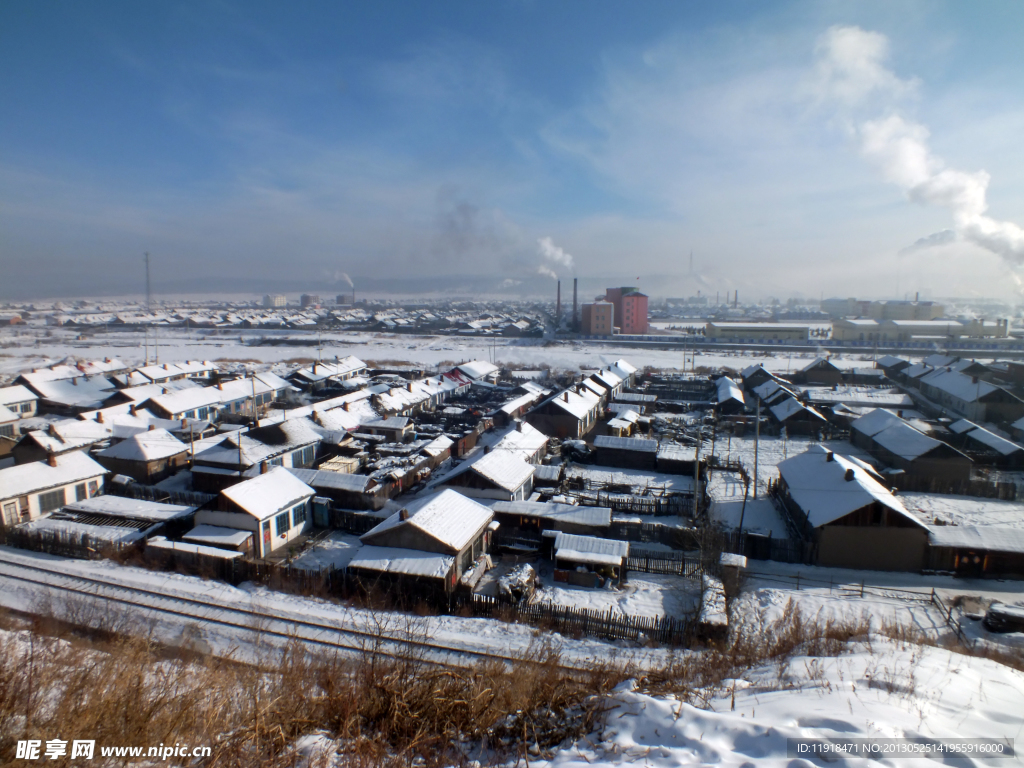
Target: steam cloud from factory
(852,73)
(554,259)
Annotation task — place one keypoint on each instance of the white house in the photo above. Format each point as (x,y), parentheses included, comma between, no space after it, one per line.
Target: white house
(275,506)
(29,490)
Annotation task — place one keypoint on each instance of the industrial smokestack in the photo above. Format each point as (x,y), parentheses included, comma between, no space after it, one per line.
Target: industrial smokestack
(575,318)
(736,301)
(917,296)
(558,303)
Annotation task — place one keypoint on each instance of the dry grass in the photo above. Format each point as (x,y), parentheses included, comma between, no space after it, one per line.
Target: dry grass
(386,711)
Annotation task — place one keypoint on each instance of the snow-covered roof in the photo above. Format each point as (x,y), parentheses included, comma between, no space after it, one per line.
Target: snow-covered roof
(906,442)
(438,445)
(151,445)
(410,562)
(320,371)
(61,525)
(37,476)
(266,495)
(590,549)
(394,422)
(121,506)
(77,391)
(639,444)
(521,438)
(860,396)
(567,513)
(579,404)
(159,542)
(506,469)
(7,415)
(958,385)
(821,490)
(16,394)
(993,441)
(728,389)
(991,538)
(215,534)
(478,369)
(875,421)
(790,407)
(183,400)
(448,517)
(320,479)
(891,361)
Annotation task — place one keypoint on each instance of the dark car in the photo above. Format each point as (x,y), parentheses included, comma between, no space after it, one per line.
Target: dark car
(1001,617)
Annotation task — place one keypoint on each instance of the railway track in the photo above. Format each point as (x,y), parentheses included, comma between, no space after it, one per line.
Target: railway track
(322,634)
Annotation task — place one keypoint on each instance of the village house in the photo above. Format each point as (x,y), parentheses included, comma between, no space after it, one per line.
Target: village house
(820,371)
(796,418)
(853,520)
(227,539)
(497,474)
(569,414)
(147,457)
(923,462)
(58,438)
(520,438)
(986,447)
(192,403)
(20,400)
(971,397)
(274,506)
(291,443)
(320,374)
(427,546)
(729,397)
(70,395)
(977,551)
(30,490)
(397,429)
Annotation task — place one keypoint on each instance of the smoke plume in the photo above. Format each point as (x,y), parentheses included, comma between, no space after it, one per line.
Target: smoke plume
(556,259)
(344,276)
(852,73)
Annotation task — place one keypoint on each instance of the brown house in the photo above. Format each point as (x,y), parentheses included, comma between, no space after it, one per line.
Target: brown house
(147,457)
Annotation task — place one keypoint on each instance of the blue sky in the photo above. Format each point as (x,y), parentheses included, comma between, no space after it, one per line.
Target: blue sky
(290,142)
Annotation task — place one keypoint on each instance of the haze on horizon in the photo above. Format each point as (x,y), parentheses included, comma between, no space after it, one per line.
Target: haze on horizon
(792,147)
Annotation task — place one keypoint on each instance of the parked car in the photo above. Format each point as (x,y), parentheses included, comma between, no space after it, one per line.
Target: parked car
(1001,617)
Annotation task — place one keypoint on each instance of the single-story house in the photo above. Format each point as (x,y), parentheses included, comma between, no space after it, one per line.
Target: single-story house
(854,521)
(147,457)
(501,475)
(977,550)
(29,490)
(275,506)
(428,545)
(22,401)
(729,396)
(346,490)
(230,539)
(569,414)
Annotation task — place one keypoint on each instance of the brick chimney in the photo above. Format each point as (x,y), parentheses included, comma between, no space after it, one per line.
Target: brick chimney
(220,385)
(152,426)
(263,467)
(51,459)
(829,456)
(132,409)
(565,396)
(849,475)
(99,417)
(74,381)
(409,386)
(403,514)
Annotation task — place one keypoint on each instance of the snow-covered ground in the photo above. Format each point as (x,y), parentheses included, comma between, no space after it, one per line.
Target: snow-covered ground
(651,595)
(451,632)
(334,551)
(24,348)
(879,689)
(772,450)
(759,516)
(963,510)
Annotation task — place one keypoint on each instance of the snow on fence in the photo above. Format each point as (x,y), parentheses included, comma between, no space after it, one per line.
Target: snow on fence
(568,620)
(635,505)
(681,538)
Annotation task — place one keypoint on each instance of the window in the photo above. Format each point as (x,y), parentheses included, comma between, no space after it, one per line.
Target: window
(204,413)
(276,462)
(299,515)
(7,430)
(94,488)
(80,493)
(26,407)
(304,457)
(10,513)
(281,524)
(52,500)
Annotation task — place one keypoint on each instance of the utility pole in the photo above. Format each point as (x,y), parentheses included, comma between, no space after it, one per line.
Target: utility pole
(148,295)
(757,442)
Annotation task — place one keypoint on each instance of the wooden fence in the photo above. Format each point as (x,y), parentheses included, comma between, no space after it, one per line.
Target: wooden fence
(152,493)
(690,568)
(572,621)
(353,522)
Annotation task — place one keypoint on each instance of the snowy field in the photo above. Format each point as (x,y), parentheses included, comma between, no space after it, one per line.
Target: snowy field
(771,451)
(334,551)
(879,689)
(651,595)
(22,349)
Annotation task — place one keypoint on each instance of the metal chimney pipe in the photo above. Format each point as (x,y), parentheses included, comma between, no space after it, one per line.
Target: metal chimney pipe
(575,317)
(558,303)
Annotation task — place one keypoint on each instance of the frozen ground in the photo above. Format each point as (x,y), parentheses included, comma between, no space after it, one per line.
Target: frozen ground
(760,515)
(22,348)
(771,451)
(651,595)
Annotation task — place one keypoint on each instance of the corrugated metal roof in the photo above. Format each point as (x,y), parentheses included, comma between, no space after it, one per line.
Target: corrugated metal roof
(990,538)
(626,443)
(569,513)
(590,549)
